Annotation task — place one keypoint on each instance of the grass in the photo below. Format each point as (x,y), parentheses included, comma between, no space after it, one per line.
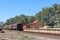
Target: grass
(9,35)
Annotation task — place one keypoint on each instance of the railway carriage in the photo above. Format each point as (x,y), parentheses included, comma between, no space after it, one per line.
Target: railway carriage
(19,26)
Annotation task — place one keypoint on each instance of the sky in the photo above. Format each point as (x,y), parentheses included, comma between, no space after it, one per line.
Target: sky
(11,8)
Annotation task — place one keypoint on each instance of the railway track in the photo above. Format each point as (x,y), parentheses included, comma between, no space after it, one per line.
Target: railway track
(39,35)
(49,33)
(57,36)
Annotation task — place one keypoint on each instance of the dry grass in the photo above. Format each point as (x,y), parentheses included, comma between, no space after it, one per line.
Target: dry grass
(14,35)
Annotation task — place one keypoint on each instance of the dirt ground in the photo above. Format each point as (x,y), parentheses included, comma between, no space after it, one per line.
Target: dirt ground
(14,35)
(18,35)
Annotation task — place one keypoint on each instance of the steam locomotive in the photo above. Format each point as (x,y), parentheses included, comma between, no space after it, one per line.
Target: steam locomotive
(19,26)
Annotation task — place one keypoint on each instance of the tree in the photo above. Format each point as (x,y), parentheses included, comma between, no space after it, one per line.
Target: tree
(47,15)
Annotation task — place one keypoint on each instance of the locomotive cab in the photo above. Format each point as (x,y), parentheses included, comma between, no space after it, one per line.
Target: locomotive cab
(20,26)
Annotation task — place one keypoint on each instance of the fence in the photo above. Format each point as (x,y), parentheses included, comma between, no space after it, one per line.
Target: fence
(46,30)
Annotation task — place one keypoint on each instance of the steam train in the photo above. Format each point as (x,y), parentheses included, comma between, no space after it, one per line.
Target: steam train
(19,26)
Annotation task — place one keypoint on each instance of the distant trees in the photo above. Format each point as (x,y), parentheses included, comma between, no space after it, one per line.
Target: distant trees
(47,15)
(21,18)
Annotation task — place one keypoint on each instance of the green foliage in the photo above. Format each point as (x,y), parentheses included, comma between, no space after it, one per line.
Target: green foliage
(46,15)
(21,18)
(49,14)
